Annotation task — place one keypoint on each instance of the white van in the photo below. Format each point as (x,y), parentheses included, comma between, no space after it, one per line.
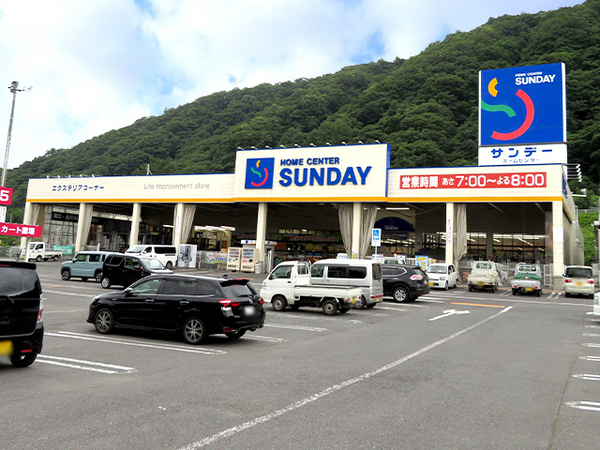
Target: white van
(166,254)
(361,273)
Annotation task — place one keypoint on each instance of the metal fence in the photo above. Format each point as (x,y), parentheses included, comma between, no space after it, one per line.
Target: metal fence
(9,252)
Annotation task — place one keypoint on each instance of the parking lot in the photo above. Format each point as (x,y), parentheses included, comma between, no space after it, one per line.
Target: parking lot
(454,369)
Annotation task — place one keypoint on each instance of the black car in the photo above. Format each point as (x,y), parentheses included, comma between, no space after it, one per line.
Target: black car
(21,306)
(123,270)
(404,283)
(192,305)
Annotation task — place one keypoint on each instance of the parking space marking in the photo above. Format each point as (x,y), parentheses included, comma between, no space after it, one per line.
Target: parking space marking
(296,327)
(332,389)
(590,345)
(391,308)
(264,338)
(587,376)
(64,311)
(591,358)
(591,334)
(46,291)
(317,318)
(84,365)
(133,343)
(588,406)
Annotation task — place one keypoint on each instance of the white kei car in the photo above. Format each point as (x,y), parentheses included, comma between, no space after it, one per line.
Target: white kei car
(442,275)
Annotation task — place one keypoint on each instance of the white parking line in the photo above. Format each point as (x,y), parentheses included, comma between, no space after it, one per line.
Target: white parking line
(386,308)
(296,327)
(264,338)
(330,390)
(84,365)
(588,406)
(65,311)
(46,291)
(590,345)
(587,376)
(318,318)
(591,358)
(133,343)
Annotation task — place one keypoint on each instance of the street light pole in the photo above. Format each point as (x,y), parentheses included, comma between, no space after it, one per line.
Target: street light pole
(14,89)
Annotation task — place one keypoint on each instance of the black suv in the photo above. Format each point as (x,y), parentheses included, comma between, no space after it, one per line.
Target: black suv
(123,270)
(21,305)
(404,283)
(192,305)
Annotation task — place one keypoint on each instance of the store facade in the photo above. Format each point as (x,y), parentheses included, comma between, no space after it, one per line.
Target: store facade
(316,201)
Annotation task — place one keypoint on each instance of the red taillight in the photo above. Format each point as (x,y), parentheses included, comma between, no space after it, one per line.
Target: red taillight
(416,277)
(590,281)
(228,303)
(261,301)
(39,318)
(567,280)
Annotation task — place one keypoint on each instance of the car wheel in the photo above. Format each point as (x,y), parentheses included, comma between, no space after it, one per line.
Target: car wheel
(360,303)
(22,359)
(446,286)
(371,305)
(330,307)
(105,282)
(55,258)
(539,293)
(235,335)
(278,303)
(65,274)
(169,265)
(567,294)
(514,292)
(39,258)
(98,277)
(470,288)
(194,331)
(104,321)
(401,294)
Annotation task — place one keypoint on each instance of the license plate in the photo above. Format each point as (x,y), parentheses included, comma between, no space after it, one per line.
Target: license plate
(481,283)
(249,310)
(528,289)
(579,283)
(430,283)
(6,348)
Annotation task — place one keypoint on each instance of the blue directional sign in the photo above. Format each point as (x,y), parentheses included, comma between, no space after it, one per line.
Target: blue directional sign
(522,105)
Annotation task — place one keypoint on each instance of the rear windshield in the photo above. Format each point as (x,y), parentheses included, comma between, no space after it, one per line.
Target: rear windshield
(483,266)
(527,268)
(238,290)
(19,283)
(579,272)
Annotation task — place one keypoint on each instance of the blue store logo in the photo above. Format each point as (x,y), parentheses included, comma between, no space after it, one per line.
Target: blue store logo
(259,173)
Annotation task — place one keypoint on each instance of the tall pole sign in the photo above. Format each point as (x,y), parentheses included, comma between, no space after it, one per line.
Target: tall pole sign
(522,115)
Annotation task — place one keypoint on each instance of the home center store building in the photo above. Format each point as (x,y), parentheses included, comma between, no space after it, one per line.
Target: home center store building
(338,188)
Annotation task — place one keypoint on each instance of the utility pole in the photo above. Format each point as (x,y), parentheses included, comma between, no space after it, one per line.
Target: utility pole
(14,88)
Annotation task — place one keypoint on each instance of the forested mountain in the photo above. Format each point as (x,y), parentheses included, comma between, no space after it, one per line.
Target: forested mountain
(424,107)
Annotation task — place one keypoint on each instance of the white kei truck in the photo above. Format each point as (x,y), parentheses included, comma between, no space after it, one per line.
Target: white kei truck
(39,251)
(288,284)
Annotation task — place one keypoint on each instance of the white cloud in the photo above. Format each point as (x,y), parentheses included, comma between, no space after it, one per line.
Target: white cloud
(102,64)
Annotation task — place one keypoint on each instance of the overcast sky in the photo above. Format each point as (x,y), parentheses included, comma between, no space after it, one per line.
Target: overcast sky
(98,65)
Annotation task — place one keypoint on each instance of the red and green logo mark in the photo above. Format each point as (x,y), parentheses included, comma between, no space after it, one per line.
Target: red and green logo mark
(259,173)
(529,112)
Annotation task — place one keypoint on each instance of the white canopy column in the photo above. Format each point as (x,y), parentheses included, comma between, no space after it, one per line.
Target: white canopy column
(261,237)
(135,224)
(30,216)
(83,225)
(449,233)
(558,243)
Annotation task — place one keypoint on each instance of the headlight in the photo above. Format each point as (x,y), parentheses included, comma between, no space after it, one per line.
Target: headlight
(442,278)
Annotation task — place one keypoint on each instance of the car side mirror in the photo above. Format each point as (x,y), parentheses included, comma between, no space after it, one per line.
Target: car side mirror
(128,292)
